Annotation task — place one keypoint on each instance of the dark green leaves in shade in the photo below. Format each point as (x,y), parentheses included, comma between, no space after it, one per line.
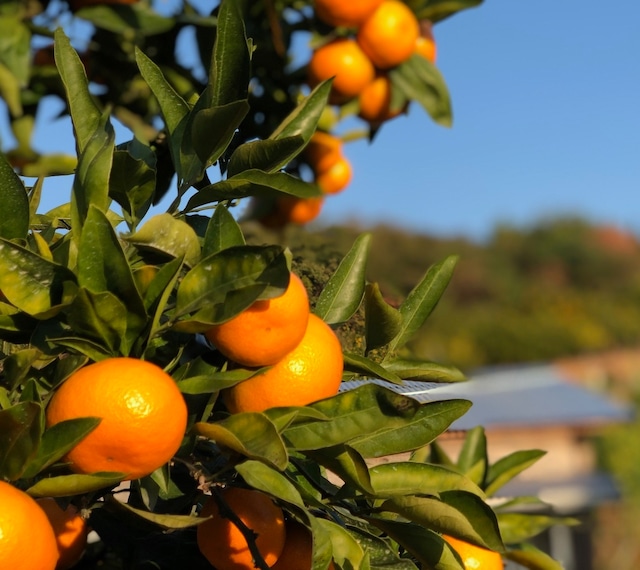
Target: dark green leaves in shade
(15,201)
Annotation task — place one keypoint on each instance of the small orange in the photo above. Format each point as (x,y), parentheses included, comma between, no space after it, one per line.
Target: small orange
(474,557)
(426,47)
(143,416)
(343,60)
(223,544)
(349,14)
(27,540)
(388,36)
(336,178)
(298,549)
(375,101)
(310,372)
(299,211)
(323,151)
(267,330)
(70,530)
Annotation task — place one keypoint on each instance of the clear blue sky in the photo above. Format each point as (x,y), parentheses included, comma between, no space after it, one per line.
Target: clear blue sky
(546,122)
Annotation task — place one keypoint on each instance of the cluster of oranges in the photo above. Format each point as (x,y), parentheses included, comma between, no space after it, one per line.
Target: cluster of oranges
(387,34)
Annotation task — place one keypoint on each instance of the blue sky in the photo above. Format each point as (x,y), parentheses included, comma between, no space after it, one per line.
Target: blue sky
(546,122)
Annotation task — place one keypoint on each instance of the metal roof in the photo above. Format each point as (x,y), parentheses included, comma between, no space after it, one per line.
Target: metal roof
(529,395)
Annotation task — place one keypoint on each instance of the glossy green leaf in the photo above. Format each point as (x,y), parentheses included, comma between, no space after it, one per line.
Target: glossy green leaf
(381,551)
(162,520)
(58,440)
(369,368)
(264,478)
(517,527)
(249,434)
(421,301)
(506,468)
(473,460)
(439,456)
(14,199)
(347,464)
(343,293)
(437,10)
(425,545)
(222,232)
(215,381)
(382,321)
(70,485)
(528,556)
(420,80)
(20,433)
(267,155)
(32,283)
(17,366)
(168,235)
(252,183)
(424,370)
(457,513)
(411,478)
(347,552)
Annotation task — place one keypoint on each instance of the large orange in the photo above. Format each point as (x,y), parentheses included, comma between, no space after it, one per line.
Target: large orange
(143,416)
(27,541)
(70,529)
(388,36)
(223,544)
(375,101)
(474,557)
(350,13)
(298,549)
(336,178)
(310,372)
(263,333)
(323,151)
(343,60)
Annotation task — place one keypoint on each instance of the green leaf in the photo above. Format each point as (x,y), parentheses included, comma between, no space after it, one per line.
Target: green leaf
(123,20)
(250,434)
(506,468)
(58,440)
(70,485)
(15,39)
(216,381)
(165,234)
(347,464)
(517,527)
(473,460)
(382,321)
(347,552)
(367,367)
(32,283)
(162,520)
(420,80)
(382,552)
(253,183)
(344,291)
(10,91)
(264,478)
(267,155)
(14,199)
(422,370)
(409,478)
(17,366)
(529,556)
(421,301)
(437,10)
(222,232)
(20,433)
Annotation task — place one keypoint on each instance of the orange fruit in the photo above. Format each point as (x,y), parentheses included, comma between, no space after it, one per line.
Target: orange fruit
(349,14)
(299,211)
(310,372)
(298,549)
(343,60)
(221,541)
(26,538)
(375,101)
(426,47)
(336,178)
(143,416)
(267,330)
(70,530)
(388,36)
(474,557)
(323,151)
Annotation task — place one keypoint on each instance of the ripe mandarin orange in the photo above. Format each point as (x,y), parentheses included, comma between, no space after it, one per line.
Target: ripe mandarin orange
(267,330)
(336,178)
(223,544)
(143,416)
(310,372)
(388,36)
(70,530)
(349,14)
(323,151)
(375,101)
(299,211)
(343,60)
(27,541)
(426,47)
(474,557)
(298,549)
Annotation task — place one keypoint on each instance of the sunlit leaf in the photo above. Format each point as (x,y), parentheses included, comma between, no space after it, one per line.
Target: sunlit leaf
(528,556)
(506,468)
(70,485)
(382,321)
(222,232)
(518,527)
(14,199)
(424,370)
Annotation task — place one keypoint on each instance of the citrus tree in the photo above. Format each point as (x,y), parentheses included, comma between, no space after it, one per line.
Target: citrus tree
(176,388)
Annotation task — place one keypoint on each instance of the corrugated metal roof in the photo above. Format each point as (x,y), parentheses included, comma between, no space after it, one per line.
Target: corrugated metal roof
(533,395)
